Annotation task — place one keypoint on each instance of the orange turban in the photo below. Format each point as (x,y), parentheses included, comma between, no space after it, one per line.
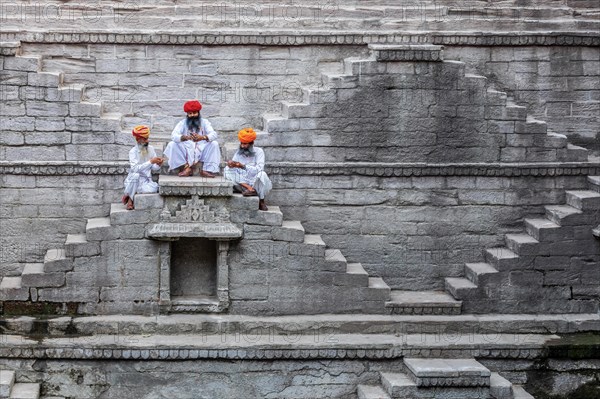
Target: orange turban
(192,106)
(247,135)
(141,131)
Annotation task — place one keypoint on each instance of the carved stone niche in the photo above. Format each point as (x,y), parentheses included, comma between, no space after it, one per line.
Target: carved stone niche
(194,273)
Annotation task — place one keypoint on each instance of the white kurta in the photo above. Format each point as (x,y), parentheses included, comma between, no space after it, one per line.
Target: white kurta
(254,173)
(182,152)
(139,179)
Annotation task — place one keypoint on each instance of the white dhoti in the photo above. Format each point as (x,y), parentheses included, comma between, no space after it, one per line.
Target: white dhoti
(134,184)
(260,181)
(189,152)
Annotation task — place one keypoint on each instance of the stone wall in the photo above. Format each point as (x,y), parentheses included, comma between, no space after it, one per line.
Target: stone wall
(413,231)
(558,83)
(38,211)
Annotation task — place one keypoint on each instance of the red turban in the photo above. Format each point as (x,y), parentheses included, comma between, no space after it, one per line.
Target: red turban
(247,135)
(192,106)
(141,131)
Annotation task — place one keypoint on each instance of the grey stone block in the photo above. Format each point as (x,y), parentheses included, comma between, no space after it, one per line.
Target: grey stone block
(149,201)
(100,229)
(119,215)
(272,217)
(291,231)
(257,232)
(76,245)
(11,289)
(85,109)
(34,276)
(37,108)
(7,379)
(56,261)
(44,79)
(25,64)
(448,372)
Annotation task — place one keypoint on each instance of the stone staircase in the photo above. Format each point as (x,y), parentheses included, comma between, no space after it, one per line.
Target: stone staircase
(11,389)
(442,378)
(303,131)
(86,270)
(532,266)
(74,128)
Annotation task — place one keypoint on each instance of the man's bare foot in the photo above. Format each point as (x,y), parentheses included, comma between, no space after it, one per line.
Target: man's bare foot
(205,173)
(124,199)
(129,204)
(250,193)
(262,206)
(187,171)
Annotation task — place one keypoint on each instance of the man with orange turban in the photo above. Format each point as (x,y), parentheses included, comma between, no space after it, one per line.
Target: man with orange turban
(142,161)
(194,140)
(246,169)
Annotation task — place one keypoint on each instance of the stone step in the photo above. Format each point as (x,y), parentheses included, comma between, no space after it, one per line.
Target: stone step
(34,276)
(377,283)
(290,230)
(319,95)
(594,183)
(520,393)
(294,110)
(522,244)
(119,215)
(149,201)
(503,259)
(100,229)
(584,200)
(56,260)
(7,379)
(544,230)
(335,261)
(340,81)
(361,275)
(423,303)
(10,48)
(45,79)
(71,92)
(313,245)
(12,290)
(447,372)
(272,217)
(500,387)
(77,245)
(565,215)
(477,273)
(371,392)
(25,391)
(400,385)
(460,288)
(361,66)
(575,153)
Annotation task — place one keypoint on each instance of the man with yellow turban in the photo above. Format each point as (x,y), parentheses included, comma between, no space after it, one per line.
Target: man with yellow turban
(246,169)
(194,140)
(142,161)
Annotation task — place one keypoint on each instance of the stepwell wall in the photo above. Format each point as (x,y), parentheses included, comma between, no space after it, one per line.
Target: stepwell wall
(410,230)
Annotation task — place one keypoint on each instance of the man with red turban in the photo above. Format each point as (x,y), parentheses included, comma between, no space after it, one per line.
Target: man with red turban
(194,140)
(142,161)
(246,169)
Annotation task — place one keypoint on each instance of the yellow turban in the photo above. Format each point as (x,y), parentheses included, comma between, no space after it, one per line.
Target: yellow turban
(141,131)
(247,135)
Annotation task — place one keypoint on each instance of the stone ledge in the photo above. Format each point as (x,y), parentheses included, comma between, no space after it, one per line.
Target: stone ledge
(71,168)
(343,346)
(287,38)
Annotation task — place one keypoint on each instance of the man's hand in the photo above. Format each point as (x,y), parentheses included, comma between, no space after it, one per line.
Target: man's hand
(234,164)
(185,138)
(157,161)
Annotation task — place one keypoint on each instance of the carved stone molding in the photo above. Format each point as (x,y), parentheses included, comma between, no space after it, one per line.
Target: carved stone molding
(274,351)
(69,168)
(301,38)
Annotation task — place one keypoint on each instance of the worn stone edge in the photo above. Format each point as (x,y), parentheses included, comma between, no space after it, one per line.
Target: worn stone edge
(61,168)
(297,38)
